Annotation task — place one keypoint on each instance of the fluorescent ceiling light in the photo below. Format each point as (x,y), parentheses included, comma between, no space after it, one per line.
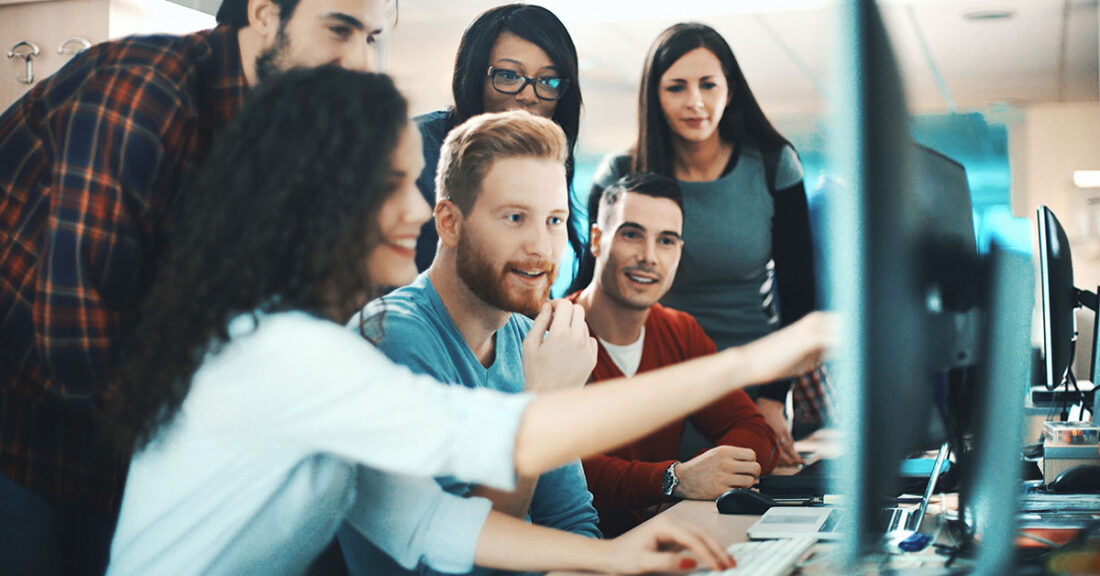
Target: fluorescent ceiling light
(1086,178)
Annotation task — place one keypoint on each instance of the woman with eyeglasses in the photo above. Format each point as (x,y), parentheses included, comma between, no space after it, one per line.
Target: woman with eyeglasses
(516,56)
(746,221)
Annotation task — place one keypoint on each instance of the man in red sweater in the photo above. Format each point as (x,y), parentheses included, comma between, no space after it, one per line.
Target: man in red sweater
(636,242)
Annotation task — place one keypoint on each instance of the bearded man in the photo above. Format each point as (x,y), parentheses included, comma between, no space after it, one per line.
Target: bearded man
(92,161)
(501,211)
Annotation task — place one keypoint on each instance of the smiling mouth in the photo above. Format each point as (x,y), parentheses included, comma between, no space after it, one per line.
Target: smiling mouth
(529,275)
(641,279)
(403,245)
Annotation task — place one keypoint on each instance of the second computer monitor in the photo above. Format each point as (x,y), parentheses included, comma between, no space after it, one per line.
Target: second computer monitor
(1056,281)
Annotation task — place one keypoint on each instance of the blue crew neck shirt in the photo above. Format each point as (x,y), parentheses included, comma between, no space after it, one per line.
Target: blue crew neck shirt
(412,327)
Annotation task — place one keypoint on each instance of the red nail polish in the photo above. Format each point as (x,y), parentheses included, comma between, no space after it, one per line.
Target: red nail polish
(687,564)
(733,563)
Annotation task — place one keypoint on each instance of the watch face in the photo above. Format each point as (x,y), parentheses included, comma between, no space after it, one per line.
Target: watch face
(670,481)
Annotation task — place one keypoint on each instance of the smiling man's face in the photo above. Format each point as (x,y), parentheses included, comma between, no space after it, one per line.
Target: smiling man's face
(637,246)
(513,237)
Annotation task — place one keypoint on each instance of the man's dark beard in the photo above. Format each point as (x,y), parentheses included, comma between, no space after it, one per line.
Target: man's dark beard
(267,63)
(487,283)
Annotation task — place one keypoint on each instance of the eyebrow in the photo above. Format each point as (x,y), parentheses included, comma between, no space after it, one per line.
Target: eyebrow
(683,80)
(351,21)
(527,208)
(522,65)
(513,206)
(639,227)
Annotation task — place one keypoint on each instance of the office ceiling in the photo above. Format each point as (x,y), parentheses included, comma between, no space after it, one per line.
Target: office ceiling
(954,55)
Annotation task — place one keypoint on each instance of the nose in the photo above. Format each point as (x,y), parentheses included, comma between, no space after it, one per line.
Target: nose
(527,95)
(538,242)
(357,57)
(649,255)
(416,208)
(695,101)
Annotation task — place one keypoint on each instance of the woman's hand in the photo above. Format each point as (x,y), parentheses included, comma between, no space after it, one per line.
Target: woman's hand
(660,545)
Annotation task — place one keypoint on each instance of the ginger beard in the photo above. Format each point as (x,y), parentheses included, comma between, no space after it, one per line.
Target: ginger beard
(493,284)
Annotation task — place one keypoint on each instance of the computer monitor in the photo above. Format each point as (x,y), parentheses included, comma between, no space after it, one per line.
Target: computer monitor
(1056,282)
(872,275)
(949,262)
(892,266)
(1060,300)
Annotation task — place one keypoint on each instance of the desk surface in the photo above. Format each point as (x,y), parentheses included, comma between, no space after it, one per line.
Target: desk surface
(728,529)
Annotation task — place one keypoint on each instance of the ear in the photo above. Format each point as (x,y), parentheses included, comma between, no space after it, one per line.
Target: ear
(263,16)
(448,222)
(594,236)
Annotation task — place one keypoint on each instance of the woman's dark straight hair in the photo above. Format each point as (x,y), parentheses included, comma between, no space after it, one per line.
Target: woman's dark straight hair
(542,28)
(743,122)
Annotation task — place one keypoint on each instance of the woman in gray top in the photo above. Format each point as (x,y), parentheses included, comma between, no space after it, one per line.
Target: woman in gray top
(746,222)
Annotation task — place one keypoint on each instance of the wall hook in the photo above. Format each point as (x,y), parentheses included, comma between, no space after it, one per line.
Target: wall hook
(66,49)
(27,51)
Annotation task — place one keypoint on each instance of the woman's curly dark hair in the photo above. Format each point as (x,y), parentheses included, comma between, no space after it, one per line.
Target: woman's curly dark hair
(281,217)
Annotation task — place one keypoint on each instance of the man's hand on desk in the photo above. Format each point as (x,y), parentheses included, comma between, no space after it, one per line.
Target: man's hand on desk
(773,415)
(715,471)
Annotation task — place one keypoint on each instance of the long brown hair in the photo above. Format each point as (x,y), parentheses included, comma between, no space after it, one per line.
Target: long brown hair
(743,121)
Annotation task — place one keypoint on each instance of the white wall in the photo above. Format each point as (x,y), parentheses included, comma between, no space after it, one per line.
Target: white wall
(47,23)
(1046,144)
(155,17)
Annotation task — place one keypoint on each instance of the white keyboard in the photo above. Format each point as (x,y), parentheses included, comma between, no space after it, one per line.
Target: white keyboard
(766,557)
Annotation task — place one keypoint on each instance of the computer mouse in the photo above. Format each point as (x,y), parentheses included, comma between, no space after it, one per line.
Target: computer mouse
(743,501)
(1080,479)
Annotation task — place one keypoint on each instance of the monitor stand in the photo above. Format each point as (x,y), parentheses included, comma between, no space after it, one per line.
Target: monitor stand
(1040,397)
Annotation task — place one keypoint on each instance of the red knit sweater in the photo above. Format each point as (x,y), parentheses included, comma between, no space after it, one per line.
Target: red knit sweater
(626,481)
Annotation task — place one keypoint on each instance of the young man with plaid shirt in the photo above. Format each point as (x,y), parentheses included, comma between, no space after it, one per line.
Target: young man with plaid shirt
(91,161)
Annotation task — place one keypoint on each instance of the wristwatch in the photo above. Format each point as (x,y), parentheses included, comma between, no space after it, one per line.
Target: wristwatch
(668,486)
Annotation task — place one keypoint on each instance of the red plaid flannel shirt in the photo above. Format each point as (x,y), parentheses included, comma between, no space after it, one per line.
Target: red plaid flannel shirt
(90,160)
(813,398)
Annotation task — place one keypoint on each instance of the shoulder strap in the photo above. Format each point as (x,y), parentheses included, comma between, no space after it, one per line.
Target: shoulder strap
(771,164)
(622,165)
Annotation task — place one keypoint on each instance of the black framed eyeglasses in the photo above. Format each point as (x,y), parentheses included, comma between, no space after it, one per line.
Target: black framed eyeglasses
(511,82)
